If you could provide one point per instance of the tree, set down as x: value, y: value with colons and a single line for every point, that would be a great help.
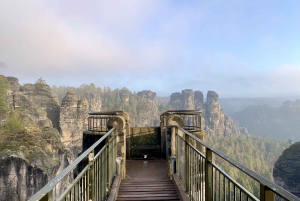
x: 15, y: 123
x: 41, y: 81
x: 3, y: 91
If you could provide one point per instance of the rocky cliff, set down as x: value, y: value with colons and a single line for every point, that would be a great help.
x: 286, y: 170
x: 30, y: 162
x: 73, y: 121
x: 214, y: 121
x: 149, y: 95
x: 37, y: 101
x: 148, y: 110
x: 35, y: 155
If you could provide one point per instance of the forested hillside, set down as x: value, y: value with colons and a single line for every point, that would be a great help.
x: 257, y: 153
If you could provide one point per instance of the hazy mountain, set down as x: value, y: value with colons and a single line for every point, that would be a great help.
x: 232, y: 105
x: 267, y: 121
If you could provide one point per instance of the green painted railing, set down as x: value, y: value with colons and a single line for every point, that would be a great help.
x: 93, y: 182
x: 204, y: 180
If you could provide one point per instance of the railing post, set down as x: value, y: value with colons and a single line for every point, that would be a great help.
x: 266, y: 194
x: 187, y: 163
x: 48, y: 196
x: 91, y: 176
x: 172, y: 158
x: 108, y: 169
x: 208, y: 176
x: 176, y: 150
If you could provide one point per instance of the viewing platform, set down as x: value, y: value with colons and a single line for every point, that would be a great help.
x: 169, y: 162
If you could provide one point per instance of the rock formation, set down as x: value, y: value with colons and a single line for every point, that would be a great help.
x: 286, y: 170
x: 148, y: 114
x: 214, y: 121
x: 36, y: 101
x: 188, y: 99
x: 29, y: 163
x: 149, y: 95
x: 73, y: 121
x: 35, y: 155
x: 176, y: 101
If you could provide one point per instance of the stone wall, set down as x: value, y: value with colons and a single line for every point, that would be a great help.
x: 144, y: 141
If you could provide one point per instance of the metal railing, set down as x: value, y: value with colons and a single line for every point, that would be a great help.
x: 94, y: 181
x: 97, y: 121
x: 191, y: 119
x: 205, y: 180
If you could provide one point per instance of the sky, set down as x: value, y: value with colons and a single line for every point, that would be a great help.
x: 237, y: 48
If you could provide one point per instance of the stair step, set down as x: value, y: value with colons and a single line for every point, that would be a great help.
x: 147, y: 190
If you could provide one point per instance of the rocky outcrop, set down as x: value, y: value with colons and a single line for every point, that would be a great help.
x: 198, y: 100
x: 188, y: 99
x: 286, y: 170
x: 176, y: 101
x: 36, y: 101
x: 73, y: 121
x: 149, y: 95
x: 213, y: 119
x: 34, y: 156
x: 30, y: 162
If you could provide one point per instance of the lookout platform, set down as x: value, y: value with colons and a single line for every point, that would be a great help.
x: 169, y: 162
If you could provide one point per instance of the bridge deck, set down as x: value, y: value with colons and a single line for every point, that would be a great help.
x: 147, y: 180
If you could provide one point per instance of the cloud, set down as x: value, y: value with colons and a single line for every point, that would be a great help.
x: 159, y: 45
x: 286, y: 77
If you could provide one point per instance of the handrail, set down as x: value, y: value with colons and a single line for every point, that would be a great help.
x: 263, y: 181
x: 51, y: 184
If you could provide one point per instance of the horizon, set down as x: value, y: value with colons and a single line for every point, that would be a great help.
x: 169, y: 93
x: 238, y: 49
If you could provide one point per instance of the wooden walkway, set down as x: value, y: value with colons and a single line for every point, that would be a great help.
x: 147, y: 180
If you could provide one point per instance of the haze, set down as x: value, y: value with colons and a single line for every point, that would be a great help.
x: 236, y: 48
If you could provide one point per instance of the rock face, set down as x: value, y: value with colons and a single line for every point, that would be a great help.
x: 286, y: 170
x: 73, y: 121
x: 29, y: 163
x: 176, y: 101
x: 149, y: 95
x: 36, y: 101
x: 188, y: 99
x: 35, y: 155
x: 214, y: 121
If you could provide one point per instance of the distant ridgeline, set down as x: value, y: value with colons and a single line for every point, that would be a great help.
x: 277, y: 123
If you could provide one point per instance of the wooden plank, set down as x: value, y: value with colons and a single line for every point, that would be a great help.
x: 143, y: 192
x: 150, y: 198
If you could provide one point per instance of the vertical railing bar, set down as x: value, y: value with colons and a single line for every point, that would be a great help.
x: 229, y: 189
x: 224, y: 187
x: 219, y: 187
x: 193, y: 174
x: 96, y: 178
x: 234, y: 192
x: 78, y: 190
x: 240, y: 194
x: 198, y: 178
